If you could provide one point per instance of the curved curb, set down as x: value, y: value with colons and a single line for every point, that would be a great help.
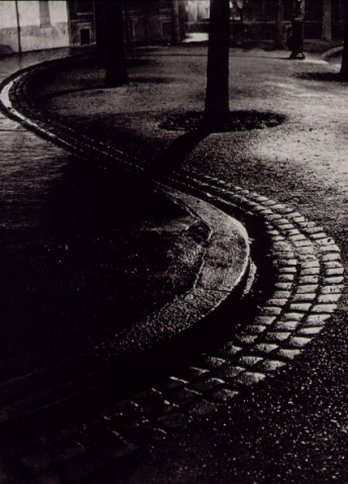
x: 331, y: 52
x: 222, y: 273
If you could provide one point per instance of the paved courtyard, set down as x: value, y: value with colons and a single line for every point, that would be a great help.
x: 263, y: 415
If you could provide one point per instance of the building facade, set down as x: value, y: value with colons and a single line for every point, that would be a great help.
x: 33, y: 25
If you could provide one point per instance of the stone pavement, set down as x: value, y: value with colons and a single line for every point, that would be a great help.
x: 299, y: 281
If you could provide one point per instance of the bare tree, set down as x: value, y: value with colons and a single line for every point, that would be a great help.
x: 326, y: 20
x: 344, y: 67
x: 110, y: 42
x: 176, y: 36
x: 217, y: 92
x: 278, y: 25
x: 297, y: 29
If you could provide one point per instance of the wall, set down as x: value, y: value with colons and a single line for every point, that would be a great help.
x: 33, y: 34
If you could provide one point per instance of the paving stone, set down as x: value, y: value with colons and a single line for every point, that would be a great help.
x: 151, y: 395
x: 265, y: 320
x: 307, y: 289
x: 283, y: 286
x: 184, y: 396
x: 292, y: 232
x: 211, y: 361
x: 307, y: 297
x: 250, y: 378
x: 304, y: 253
x: 281, y: 295
x: 116, y: 410
x: 292, y: 316
x: 155, y: 409
x: 287, y: 270
x: 229, y: 371
x: 172, y: 383
x: 203, y: 408
x: 332, y: 265
x: 276, y: 302
x: 314, y: 271
x: 300, y: 307
x: 266, y: 347
x: 313, y: 264
x: 277, y: 336
x: 316, y: 319
x: 254, y: 329
x: 249, y: 360
x: 271, y: 365
x: 194, y: 372
x: 311, y: 331
x: 174, y: 421
x: 288, y: 353
x: 330, y: 249
x: 205, y: 385
x: 323, y: 308
x: 335, y: 256
x: 329, y: 298
x: 223, y: 395
x: 298, y: 341
x: 311, y: 227
x: 333, y: 280
x: 304, y: 244
x: 229, y: 350
x: 338, y: 271
x: 289, y: 262
x: 335, y: 289
x: 303, y: 280
x: 293, y: 215
x: 271, y: 311
x: 286, y: 278
x: 286, y: 325
x: 274, y: 216
x: 297, y: 237
x: 246, y: 338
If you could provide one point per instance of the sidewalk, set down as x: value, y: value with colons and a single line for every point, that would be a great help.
x: 288, y: 428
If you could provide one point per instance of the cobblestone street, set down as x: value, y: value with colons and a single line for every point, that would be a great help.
x: 259, y: 393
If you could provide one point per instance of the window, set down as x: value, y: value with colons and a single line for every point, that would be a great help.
x: 85, y: 36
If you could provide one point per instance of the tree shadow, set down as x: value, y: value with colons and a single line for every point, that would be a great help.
x: 198, y: 127
x: 178, y: 151
x: 321, y: 76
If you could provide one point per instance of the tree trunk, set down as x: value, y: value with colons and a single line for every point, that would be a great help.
x: 217, y: 93
x: 278, y: 26
x: 326, y: 20
x: 176, y: 37
x: 110, y: 42
x: 344, y: 67
x: 297, y: 30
